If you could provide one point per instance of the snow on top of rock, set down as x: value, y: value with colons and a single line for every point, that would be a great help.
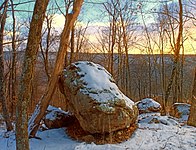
x: 52, y: 108
x: 91, y: 71
x: 184, y: 108
x: 53, y: 112
x: 99, y: 83
x: 147, y: 103
x: 156, y: 118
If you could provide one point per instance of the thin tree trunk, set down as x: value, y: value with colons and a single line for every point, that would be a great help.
x: 13, y: 71
x: 162, y: 71
x: 59, y: 64
x: 175, y: 70
x: 182, y: 75
x: 80, y: 41
x: 127, y: 70
x: 112, y: 40
x: 22, y: 142
x: 45, y: 54
x: 192, y: 116
x: 120, y: 64
x: 72, y: 42
x: 2, y: 83
x: 113, y: 45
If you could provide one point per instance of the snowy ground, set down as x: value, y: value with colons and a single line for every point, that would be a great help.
x: 167, y: 134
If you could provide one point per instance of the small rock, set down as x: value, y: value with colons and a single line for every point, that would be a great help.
x: 180, y: 111
x: 57, y: 118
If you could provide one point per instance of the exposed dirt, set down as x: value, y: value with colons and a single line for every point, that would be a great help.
x: 76, y: 132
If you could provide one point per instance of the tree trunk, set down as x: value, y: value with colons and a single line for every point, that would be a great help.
x: 127, y: 69
x: 72, y: 45
x: 192, y: 116
x: 2, y: 83
x: 13, y: 67
x: 175, y: 70
x: 22, y: 142
x: 59, y: 64
x: 45, y: 52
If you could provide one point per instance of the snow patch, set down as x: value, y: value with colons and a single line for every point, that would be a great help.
x: 146, y: 137
x: 100, y: 88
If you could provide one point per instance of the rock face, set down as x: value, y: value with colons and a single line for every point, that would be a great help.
x: 57, y: 118
x: 95, y: 100
x: 148, y: 105
x: 180, y: 111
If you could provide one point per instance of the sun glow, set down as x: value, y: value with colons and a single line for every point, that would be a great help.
x: 189, y: 43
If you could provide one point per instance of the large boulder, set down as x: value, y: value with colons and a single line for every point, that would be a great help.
x: 95, y: 100
x: 180, y: 111
x: 57, y: 118
x: 148, y: 105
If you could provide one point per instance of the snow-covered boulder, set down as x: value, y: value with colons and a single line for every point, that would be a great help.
x: 180, y: 111
x: 95, y: 100
x: 148, y: 105
x: 57, y: 118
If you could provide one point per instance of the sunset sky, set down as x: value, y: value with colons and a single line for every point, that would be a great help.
x: 92, y: 12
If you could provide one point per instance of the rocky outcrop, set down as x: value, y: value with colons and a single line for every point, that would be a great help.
x: 148, y: 105
x: 95, y: 100
x: 57, y: 118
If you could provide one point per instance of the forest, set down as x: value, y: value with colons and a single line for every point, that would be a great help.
x: 53, y: 53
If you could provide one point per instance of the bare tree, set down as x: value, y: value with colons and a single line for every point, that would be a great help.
x: 13, y: 66
x: 117, y: 39
x: 24, y: 96
x: 192, y: 117
x: 3, y: 16
x: 81, y: 40
x: 149, y: 52
x: 176, y: 47
x: 110, y: 7
x: 59, y: 64
x: 48, y: 38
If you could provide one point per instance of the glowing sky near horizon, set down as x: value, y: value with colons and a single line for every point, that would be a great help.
x: 92, y: 11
